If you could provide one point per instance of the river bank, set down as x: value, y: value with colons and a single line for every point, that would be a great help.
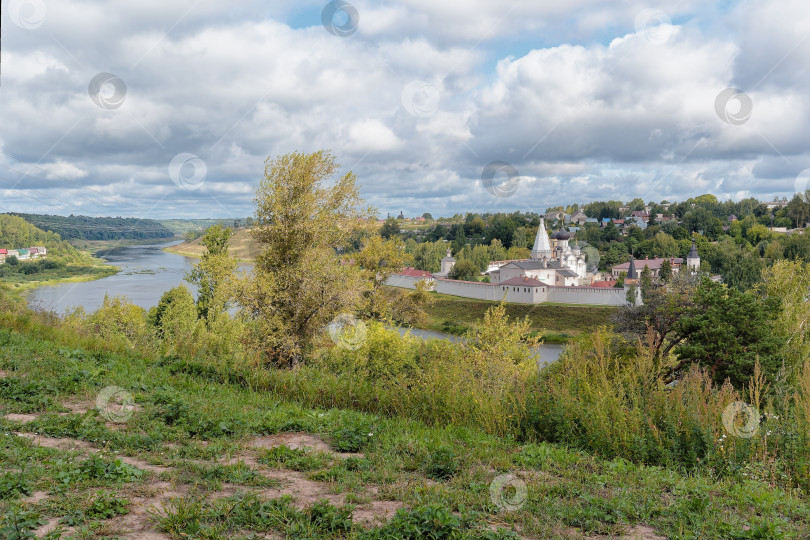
x: 555, y: 323
x: 242, y: 246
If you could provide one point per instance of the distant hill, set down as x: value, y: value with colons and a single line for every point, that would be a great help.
x: 99, y: 228
x: 242, y: 246
x: 181, y: 226
x: 15, y: 232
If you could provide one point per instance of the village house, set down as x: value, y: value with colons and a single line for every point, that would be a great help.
x: 22, y: 254
x: 633, y: 269
x: 579, y: 218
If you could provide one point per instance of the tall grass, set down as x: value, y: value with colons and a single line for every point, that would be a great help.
x: 604, y: 396
x: 435, y: 381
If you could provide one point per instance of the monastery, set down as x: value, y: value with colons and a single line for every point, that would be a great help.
x: 556, y: 275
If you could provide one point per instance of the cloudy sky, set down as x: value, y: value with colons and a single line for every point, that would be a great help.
x: 161, y: 108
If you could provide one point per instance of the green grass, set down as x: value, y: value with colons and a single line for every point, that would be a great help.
x: 199, y: 432
x: 556, y: 322
x: 70, y: 273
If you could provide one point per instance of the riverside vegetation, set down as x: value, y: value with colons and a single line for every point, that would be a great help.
x: 63, y: 263
x: 256, y: 420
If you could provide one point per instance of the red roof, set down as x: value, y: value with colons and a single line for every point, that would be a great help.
x: 413, y: 272
x: 603, y: 284
x: 3, y: 251
x: 523, y: 282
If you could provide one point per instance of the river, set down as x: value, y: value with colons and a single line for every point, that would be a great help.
x: 147, y: 272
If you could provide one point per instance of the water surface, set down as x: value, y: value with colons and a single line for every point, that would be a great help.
x: 146, y: 273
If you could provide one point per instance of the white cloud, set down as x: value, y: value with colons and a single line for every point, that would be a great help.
x: 566, y: 92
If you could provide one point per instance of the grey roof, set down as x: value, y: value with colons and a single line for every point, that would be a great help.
x: 693, y: 252
x: 567, y: 272
x: 537, y: 265
x: 631, y: 273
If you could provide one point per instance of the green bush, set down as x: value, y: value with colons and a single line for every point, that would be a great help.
x: 442, y: 464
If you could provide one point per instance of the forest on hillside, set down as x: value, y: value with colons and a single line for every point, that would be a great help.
x: 98, y: 228
x: 15, y: 233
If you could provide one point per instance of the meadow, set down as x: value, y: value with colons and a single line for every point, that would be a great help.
x: 199, y: 453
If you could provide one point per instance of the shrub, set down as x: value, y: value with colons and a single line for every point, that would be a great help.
x: 442, y: 464
x: 120, y: 320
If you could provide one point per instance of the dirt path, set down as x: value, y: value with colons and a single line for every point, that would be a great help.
x: 145, y: 499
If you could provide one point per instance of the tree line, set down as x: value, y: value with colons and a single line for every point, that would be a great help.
x: 98, y: 228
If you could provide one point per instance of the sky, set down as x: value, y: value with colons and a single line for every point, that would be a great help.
x: 169, y: 109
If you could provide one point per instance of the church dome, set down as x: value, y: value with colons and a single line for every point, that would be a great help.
x: 554, y: 235
x: 562, y: 235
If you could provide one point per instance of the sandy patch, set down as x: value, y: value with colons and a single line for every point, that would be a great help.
x: 294, y: 440
x: 24, y: 418
x: 137, y: 522
x: 52, y: 442
x: 74, y: 444
x: 297, y: 485
x: 299, y: 441
x: 639, y: 532
x: 4, y: 374
x: 79, y: 407
x: 643, y: 532
x: 52, y: 524
x: 36, y: 497
x: 376, y: 512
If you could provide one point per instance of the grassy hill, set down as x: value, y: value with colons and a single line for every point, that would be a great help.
x: 242, y: 246
x: 182, y: 226
x: 186, y: 451
x: 557, y: 322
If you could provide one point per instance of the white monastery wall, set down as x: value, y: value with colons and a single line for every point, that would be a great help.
x: 406, y: 282
x: 588, y: 295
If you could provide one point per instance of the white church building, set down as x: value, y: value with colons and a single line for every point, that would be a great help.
x: 551, y: 275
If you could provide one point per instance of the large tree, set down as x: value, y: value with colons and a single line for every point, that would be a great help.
x: 728, y: 330
x: 378, y: 259
x: 304, y: 217
x: 213, y: 273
